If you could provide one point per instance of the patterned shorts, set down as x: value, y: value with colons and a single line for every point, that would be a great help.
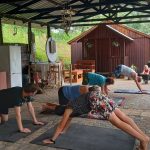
x: 101, y: 106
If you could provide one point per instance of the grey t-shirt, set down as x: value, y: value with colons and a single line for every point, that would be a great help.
x: 81, y: 105
x: 126, y: 71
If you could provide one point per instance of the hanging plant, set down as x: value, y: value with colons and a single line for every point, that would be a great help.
x: 115, y: 43
x: 14, y: 29
x: 89, y: 45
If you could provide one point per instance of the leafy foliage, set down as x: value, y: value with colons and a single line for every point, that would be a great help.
x: 64, y: 50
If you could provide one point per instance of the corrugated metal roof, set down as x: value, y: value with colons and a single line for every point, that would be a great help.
x: 36, y: 10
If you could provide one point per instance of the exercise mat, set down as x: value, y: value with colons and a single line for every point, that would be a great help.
x: 82, y: 137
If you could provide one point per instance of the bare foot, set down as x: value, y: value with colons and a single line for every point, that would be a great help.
x: 48, y: 141
x: 44, y: 108
x: 144, y: 144
x: 51, y: 104
x: 138, y: 148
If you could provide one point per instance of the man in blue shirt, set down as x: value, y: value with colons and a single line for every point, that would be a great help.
x: 67, y: 93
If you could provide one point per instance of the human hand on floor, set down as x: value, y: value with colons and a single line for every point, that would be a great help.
x: 38, y: 123
x: 25, y: 130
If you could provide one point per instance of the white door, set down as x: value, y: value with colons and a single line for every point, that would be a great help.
x: 15, y: 66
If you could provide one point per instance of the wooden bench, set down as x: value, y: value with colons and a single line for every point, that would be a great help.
x: 85, y: 65
x: 75, y: 75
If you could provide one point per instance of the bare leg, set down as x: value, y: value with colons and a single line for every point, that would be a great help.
x: 122, y: 116
x: 48, y: 107
x: 51, y: 104
x: 128, y: 129
x: 67, y: 125
x: 4, y: 118
x: 60, y: 126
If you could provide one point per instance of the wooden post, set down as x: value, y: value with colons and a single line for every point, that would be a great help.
x: 29, y: 49
x: 1, y: 32
x: 29, y: 36
x: 70, y: 74
x: 48, y: 31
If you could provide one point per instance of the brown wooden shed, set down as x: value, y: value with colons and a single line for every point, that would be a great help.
x: 111, y: 45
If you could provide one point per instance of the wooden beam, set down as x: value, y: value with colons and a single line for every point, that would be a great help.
x: 48, y: 10
x: 44, y: 13
x: 48, y: 31
x: 105, y: 19
x: 23, y: 6
x: 1, y: 32
x: 30, y: 36
x: 101, y: 12
x: 11, y: 1
x: 123, y: 22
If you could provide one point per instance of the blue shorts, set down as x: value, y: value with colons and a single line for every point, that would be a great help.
x: 117, y: 71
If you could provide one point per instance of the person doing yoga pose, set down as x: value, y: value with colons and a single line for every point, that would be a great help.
x: 129, y: 72
x: 74, y: 108
x: 106, y: 107
x: 91, y: 78
x: 15, y: 97
x: 103, y: 106
x: 67, y: 93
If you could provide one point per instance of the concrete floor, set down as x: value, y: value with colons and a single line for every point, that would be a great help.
x: 137, y: 105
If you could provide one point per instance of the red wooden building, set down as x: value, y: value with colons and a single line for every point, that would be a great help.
x: 110, y: 45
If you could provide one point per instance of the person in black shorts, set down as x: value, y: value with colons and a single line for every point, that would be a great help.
x: 71, y: 93
x: 74, y: 108
x: 14, y: 98
x: 65, y: 94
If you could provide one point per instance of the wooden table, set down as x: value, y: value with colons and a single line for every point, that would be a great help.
x: 76, y: 75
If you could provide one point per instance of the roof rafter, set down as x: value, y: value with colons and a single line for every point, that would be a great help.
x: 42, y: 14
x: 23, y: 6
x: 48, y: 10
x: 122, y: 22
x: 103, y: 12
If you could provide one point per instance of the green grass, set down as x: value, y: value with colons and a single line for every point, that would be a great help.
x: 63, y: 49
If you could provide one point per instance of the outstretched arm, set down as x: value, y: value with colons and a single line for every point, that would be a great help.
x: 32, y: 112
x: 61, y: 127
x: 138, y: 85
x: 19, y: 120
x: 103, y: 89
x: 135, y: 78
x: 106, y: 89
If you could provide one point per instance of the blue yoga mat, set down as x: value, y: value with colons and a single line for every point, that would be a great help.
x: 131, y: 91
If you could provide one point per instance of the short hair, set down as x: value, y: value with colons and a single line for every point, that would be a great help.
x: 94, y: 88
x: 109, y: 80
x: 30, y: 88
